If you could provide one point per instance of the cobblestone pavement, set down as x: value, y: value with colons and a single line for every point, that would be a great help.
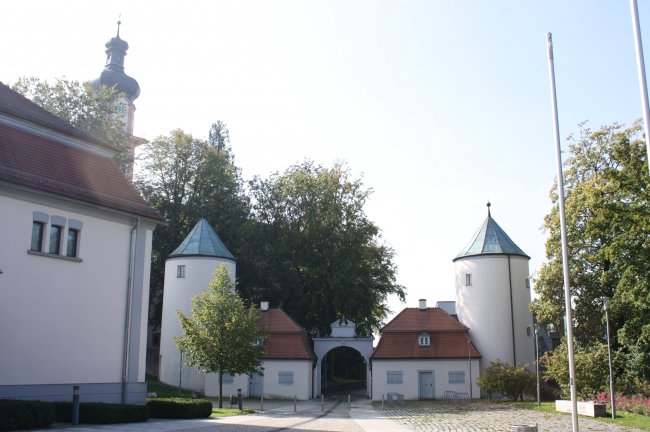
x: 486, y: 417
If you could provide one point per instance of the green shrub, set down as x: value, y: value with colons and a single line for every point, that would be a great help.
x: 102, y: 413
x: 18, y: 414
x: 177, y: 408
x: 510, y: 381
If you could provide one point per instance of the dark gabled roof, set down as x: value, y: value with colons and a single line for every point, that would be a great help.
x: 490, y: 239
x: 17, y: 105
x: 285, y: 339
x: 202, y: 241
x: 32, y: 161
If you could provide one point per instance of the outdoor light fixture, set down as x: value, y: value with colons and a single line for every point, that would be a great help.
x: 605, y: 301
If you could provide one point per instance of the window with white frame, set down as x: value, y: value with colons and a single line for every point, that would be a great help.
x: 38, y: 228
x: 424, y: 339
x: 468, y: 279
x: 394, y: 377
x: 285, y: 378
x: 180, y: 271
x: 73, y: 238
x: 55, y: 239
x: 457, y: 377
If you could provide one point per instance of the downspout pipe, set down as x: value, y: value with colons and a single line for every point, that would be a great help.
x: 127, y: 313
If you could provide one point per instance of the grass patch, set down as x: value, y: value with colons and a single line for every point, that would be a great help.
x: 167, y: 391
x: 622, y: 418
x: 228, y: 412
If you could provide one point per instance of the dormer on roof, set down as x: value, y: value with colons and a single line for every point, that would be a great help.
x: 202, y: 241
x: 490, y: 239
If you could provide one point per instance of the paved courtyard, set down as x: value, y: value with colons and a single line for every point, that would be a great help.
x: 484, y: 417
x: 334, y: 416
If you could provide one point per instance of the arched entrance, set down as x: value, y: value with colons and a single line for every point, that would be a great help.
x: 356, y: 348
x: 343, y: 372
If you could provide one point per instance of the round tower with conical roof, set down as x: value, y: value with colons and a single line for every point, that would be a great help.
x: 493, y: 296
x: 188, y: 271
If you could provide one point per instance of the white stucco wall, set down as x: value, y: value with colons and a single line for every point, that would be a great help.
x: 485, y: 307
x: 63, y: 321
x: 302, y: 379
x: 238, y: 382
x: 178, y: 294
x: 410, y: 372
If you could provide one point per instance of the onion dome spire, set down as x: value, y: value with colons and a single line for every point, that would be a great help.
x: 113, y: 73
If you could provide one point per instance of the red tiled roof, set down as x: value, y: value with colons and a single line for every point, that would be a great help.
x: 400, y: 337
x: 45, y: 165
x: 429, y: 319
x: 404, y: 345
x: 285, y: 339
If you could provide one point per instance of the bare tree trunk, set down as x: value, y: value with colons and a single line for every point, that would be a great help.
x: 221, y: 388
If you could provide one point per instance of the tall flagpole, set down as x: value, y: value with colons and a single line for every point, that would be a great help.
x: 642, y: 83
x: 565, y: 258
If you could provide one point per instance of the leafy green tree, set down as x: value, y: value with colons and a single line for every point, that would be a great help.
x: 591, y: 368
x: 221, y: 335
x: 608, y: 228
x: 180, y: 174
x: 318, y: 256
x: 510, y: 381
x: 83, y: 107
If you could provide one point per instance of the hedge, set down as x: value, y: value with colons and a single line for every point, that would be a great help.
x: 178, y: 408
x: 102, y: 413
x: 18, y: 414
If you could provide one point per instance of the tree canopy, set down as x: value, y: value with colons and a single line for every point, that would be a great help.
x: 83, y: 107
x: 607, y: 206
x: 179, y: 175
x: 318, y: 256
x: 221, y: 335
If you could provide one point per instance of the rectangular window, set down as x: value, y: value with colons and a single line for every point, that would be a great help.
x: 394, y: 377
x: 285, y: 378
x: 37, y: 236
x: 457, y: 377
x: 468, y: 279
x: 73, y: 241
x: 55, y: 239
x: 227, y: 379
x: 425, y: 340
x: 180, y: 271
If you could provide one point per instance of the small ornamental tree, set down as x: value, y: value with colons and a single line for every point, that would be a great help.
x: 221, y: 336
x: 510, y: 381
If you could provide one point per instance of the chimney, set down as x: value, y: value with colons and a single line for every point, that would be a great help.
x: 423, y: 304
x: 264, y: 305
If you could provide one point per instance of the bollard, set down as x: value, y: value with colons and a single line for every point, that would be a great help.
x: 231, y: 398
x: 239, y: 399
x: 261, y: 403
x: 322, y: 402
x: 349, y: 403
x: 294, y: 404
x: 75, y: 405
x: 382, y: 402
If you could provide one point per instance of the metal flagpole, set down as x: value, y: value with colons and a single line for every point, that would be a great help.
x: 565, y: 258
x: 642, y: 82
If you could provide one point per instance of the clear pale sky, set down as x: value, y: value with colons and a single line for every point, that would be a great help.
x: 439, y: 105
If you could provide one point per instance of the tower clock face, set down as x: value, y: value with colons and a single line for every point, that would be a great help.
x: 122, y: 111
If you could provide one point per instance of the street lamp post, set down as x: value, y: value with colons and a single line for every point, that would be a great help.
x: 609, y: 355
x: 539, y: 401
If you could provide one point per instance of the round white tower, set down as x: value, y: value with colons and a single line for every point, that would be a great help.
x: 493, y: 296
x: 188, y: 270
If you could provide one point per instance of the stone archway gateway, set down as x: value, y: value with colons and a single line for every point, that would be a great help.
x: 343, y: 335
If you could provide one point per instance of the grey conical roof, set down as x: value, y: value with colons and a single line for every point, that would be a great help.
x: 202, y: 241
x: 490, y: 239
